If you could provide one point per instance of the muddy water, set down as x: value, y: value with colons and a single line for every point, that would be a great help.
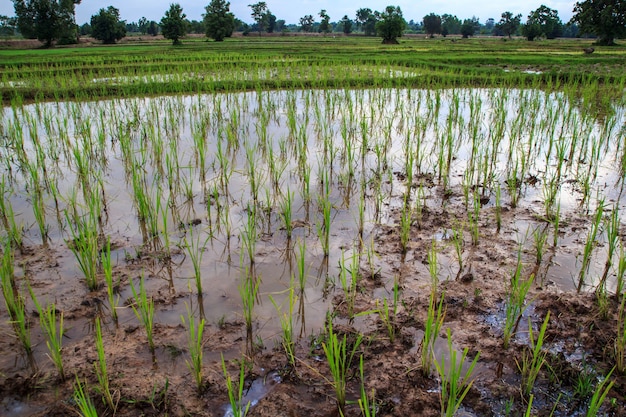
x: 207, y: 162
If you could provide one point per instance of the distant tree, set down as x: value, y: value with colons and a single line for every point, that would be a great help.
x: 85, y: 29
x: 391, y: 25
x: 469, y: 27
x: 509, y: 24
x: 132, y: 27
x: 219, y: 22
x: 153, y: 28
x: 196, y: 26
x: 450, y: 25
x: 604, y: 18
x: 543, y: 21
x: 261, y: 15
x: 106, y: 25
x: 325, y: 23
x: 7, y: 26
x: 490, y: 24
x: 281, y: 25
x: 270, y: 23
x: 368, y: 26
x: 173, y: 25
x: 47, y: 20
x: 361, y: 17
x: 432, y: 24
x: 346, y: 23
x: 306, y: 23
x: 143, y: 25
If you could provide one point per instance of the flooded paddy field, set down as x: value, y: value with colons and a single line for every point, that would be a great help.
x: 183, y: 243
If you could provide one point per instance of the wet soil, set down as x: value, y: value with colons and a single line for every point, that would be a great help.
x: 580, y: 340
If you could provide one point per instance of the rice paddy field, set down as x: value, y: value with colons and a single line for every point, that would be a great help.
x: 313, y: 226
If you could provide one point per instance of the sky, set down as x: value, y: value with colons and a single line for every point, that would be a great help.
x: 291, y: 11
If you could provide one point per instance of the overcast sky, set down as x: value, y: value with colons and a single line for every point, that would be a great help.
x: 291, y: 11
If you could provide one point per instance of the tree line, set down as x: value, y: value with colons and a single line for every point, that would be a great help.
x: 52, y: 21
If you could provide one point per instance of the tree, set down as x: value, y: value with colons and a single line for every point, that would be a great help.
x: 325, y: 23
x: 509, y: 24
x: 106, y: 25
x: 543, y: 21
x: 173, y: 25
x: 346, y: 24
x: 469, y: 27
x: 7, y: 26
x: 219, y: 22
x: 450, y: 25
x: 604, y: 18
x: 432, y: 24
x: 391, y: 25
x: 261, y: 15
x: 153, y: 28
x: 306, y: 23
x: 47, y: 20
x: 369, y: 27
x: 143, y: 25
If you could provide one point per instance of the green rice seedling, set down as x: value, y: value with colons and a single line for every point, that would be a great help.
x: 348, y: 278
x: 367, y: 403
x: 235, y: 394
x: 599, y: 395
x: 459, y: 244
x: 534, y: 358
x: 612, y: 239
x: 388, y: 315
x: 14, y: 301
x: 110, y: 398
x: 620, y: 338
x: 107, y: 269
x: 7, y: 215
x: 621, y: 272
x: 540, y: 236
x: 86, y: 407
x: 301, y: 264
x: 323, y: 228
x: 405, y: 225
x: 474, y: 217
x: 498, y: 208
x: 455, y: 384
x: 286, y: 324
x: 143, y: 307
x: 433, y: 265
x: 249, y: 234
x: 515, y: 301
x: 54, y: 333
x: 84, y: 244
x: 194, y: 248
x: 434, y: 321
x: 248, y: 290
x: 589, y: 245
x: 195, y: 346
x: 339, y: 357
x: 286, y: 213
x: 556, y: 223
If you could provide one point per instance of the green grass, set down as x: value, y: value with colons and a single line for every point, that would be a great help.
x: 303, y: 62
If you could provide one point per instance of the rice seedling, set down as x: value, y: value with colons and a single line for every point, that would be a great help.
x: 249, y: 233
x: 533, y: 358
x: 348, y: 278
x: 235, y: 393
x: 107, y: 269
x: 498, y: 207
x: 515, y: 302
x: 339, y: 356
x: 301, y: 265
x: 621, y: 272
x: 540, y: 236
x: 612, y: 239
x: 599, y: 395
x: 405, y: 225
x: 286, y: 213
x: 110, y: 398
x: 455, y: 383
x: 143, y: 307
x: 7, y: 215
x: 248, y: 290
x: 195, y: 345
x: 367, y: 403
x: 194, y: 247
x: 53, y: 331
x: 286, y: 325
x: 14, y: 301
x: 388, y: 315
x: 432, y: 326
x: 84, y: 242
x: 459, y: 245
x: 620, y: 338
x: 589, y: 245
x: 85, y: 405
x: 323, y: 227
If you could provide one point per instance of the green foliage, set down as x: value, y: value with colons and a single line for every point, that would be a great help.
x: 46, y: 20
x: 391, y: 25
x: 325, y: 23
x: 107, y: 27
x: 173, y: 24
x: 306, y: 23
x: 604, y: 18
x: 346, y: 24
x: 432, y: 24
x: 219, y: 22
x: 470, y: 27
x: 509, y: 24
x: 262, y: 16
x: 543, y: 21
